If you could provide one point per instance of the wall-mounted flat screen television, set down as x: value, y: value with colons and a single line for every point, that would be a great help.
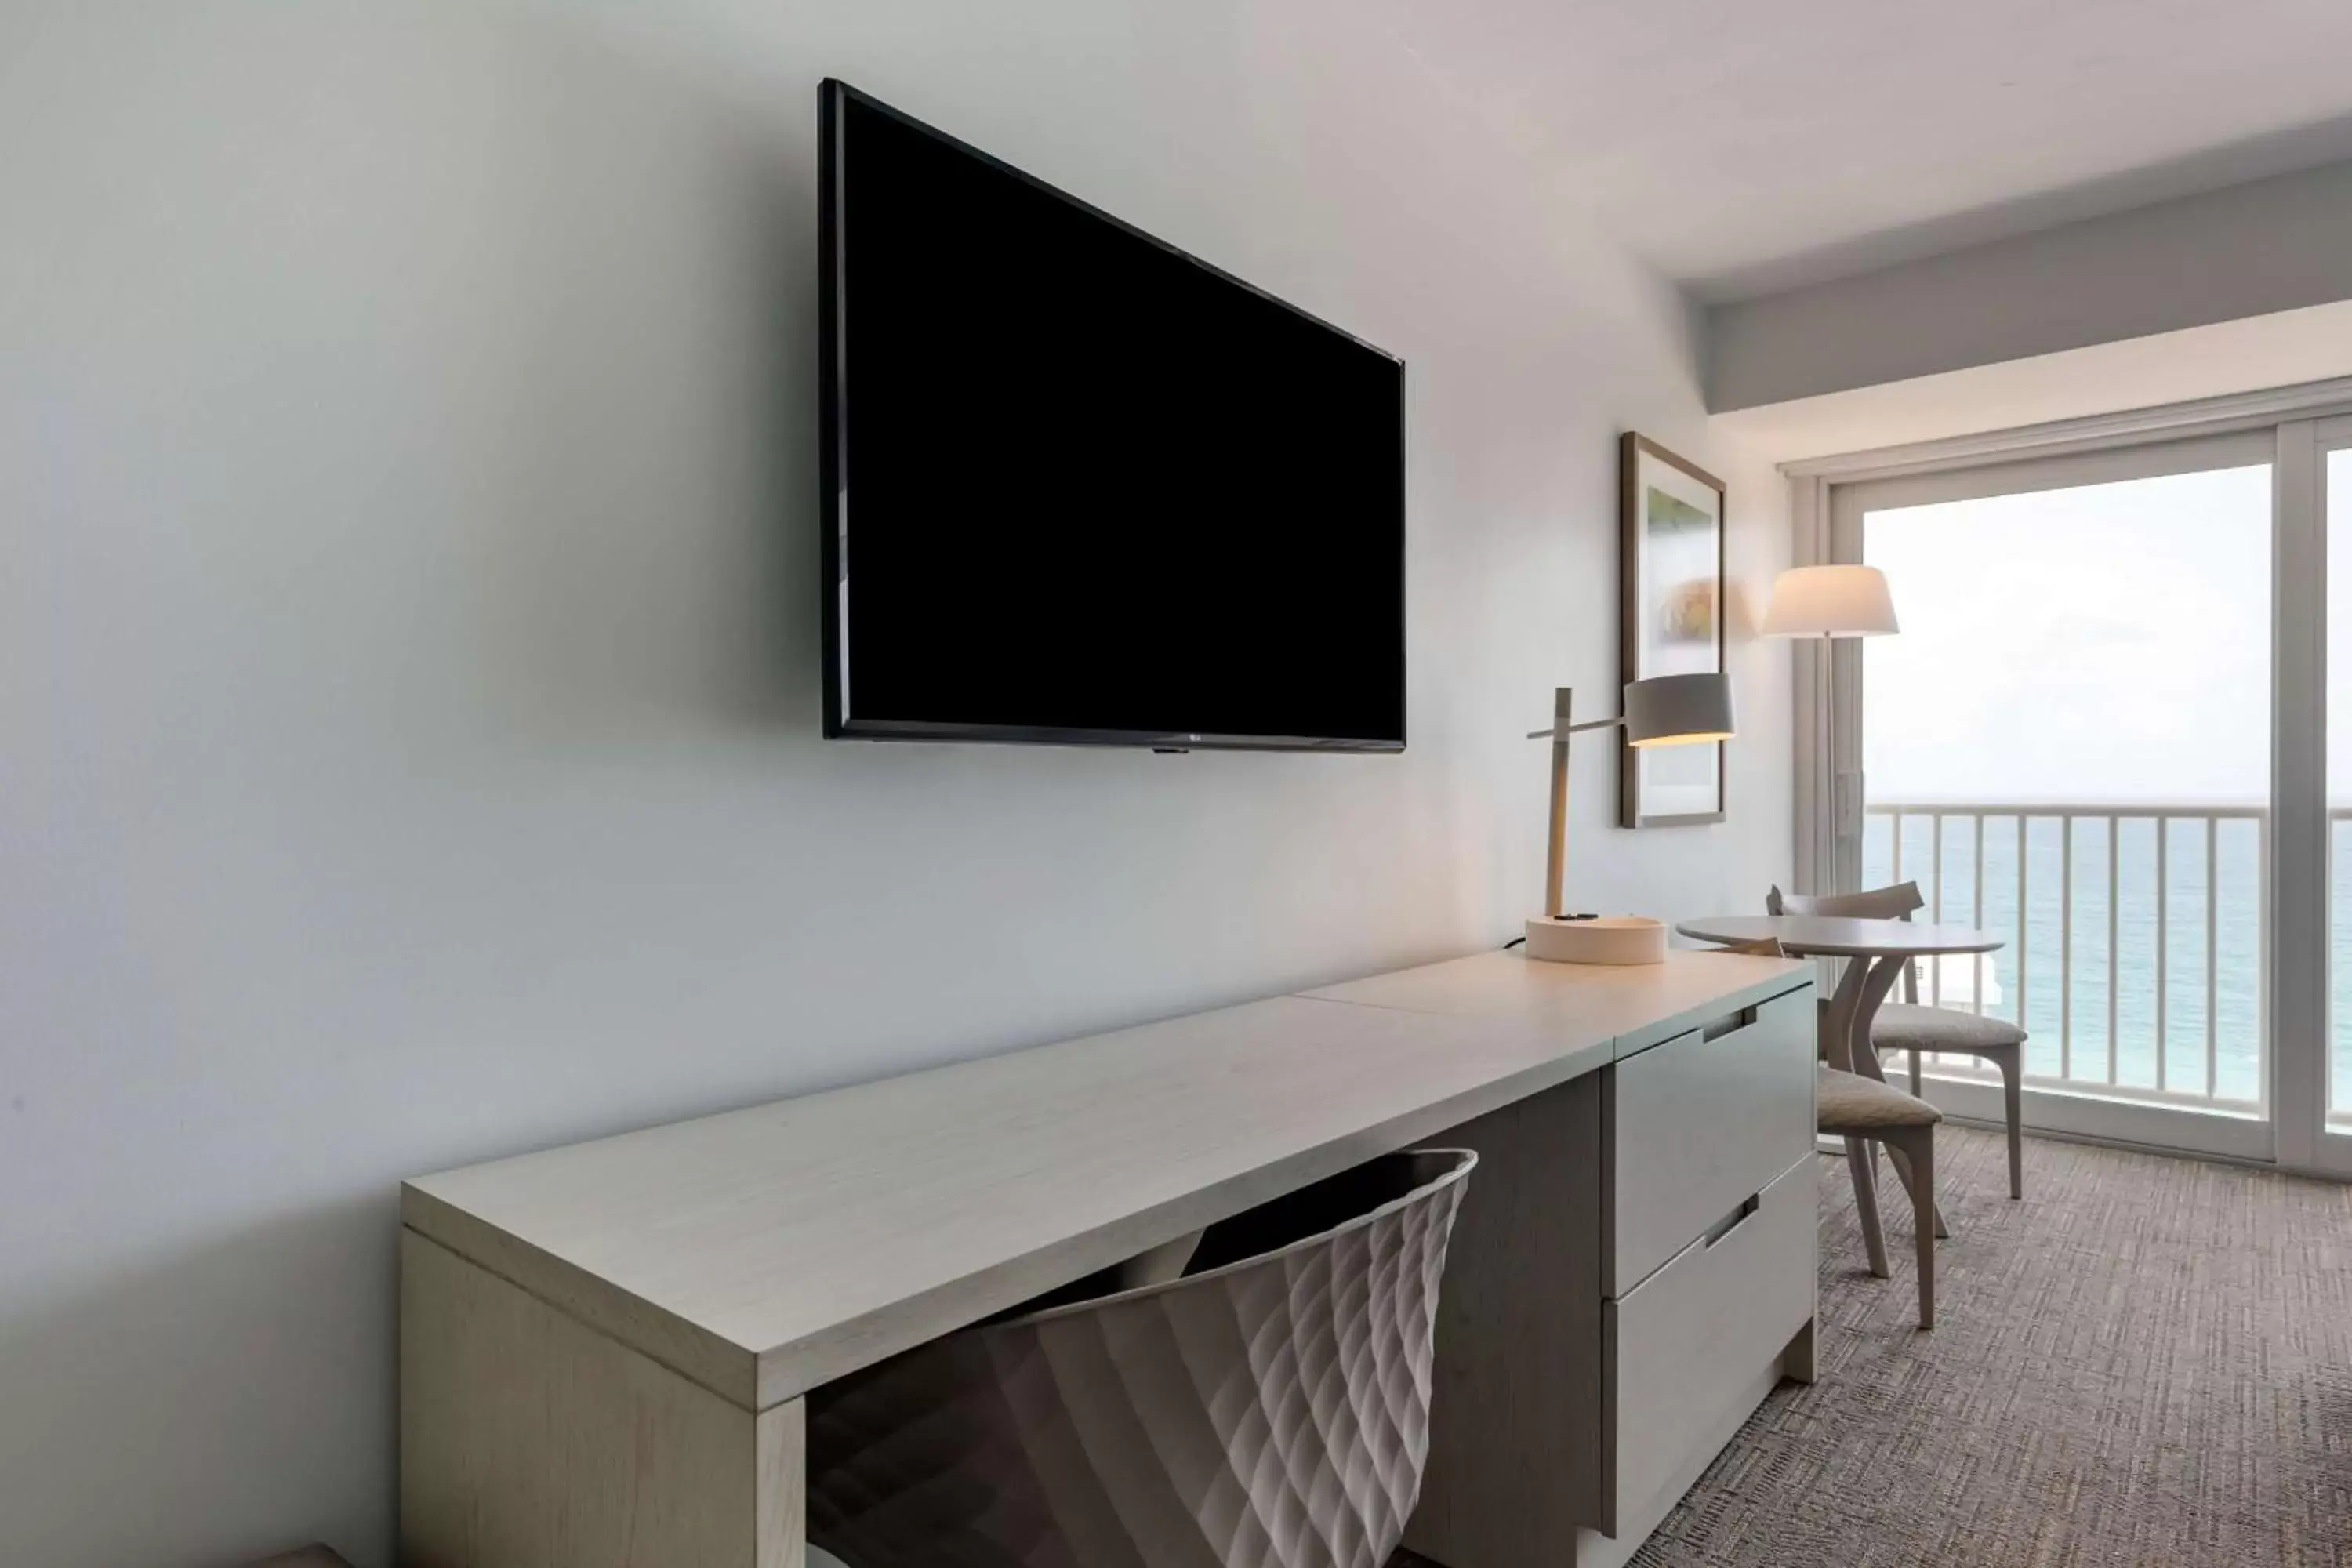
x: 1081, y: 487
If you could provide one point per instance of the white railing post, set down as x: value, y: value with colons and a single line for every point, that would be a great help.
x: 2116, y: 929
x: 1936, y: 853
x: 2066, y: 946
x: 2213, y: 954
x: 2163, y: 941
x: 1975, y: 914
x: 2022, y: 928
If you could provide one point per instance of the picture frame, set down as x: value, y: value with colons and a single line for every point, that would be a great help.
x: 1671, y: 516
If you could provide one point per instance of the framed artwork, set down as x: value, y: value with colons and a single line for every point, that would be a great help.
x: 1670, y: 622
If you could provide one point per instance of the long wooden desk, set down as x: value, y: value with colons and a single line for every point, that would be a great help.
x: 604, y: 1346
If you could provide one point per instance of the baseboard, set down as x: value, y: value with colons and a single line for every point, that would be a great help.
x: 1826, y: 1144
x: 2055, y: 1135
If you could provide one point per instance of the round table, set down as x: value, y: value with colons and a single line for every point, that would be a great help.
x: 1883, y: 948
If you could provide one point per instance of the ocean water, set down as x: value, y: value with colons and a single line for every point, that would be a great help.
x: 2066, y: 997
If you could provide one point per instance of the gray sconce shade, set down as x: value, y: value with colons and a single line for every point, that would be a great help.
x: 1678, y: 710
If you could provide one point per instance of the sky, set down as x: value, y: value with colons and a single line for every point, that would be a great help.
x: 2105, y: 643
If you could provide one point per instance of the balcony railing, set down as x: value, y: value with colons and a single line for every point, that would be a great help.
x: 2137, y: 938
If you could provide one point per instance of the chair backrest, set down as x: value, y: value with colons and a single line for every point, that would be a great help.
x: 1164, y: 1426
x: 1895, y: 903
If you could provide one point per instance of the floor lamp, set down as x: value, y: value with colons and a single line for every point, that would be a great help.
x: 1825, y: 604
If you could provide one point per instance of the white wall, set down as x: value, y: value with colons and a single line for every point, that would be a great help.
x: 408, y: 651
x: 2267, y: 246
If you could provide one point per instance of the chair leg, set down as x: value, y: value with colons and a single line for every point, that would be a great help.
x: 2013, y: 1096
x: 1914, y: 1074
x: 1865, y: 1206
x: 1922, y: 1152
x: 1901, y: 1160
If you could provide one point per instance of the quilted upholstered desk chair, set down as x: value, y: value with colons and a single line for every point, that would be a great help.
x: 1905, y: 1026
x: 1863, y: 1110
x: 1265, y: 1407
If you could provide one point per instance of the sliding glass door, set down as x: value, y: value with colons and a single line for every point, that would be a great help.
x: 2117, y: 730
x: 2070, y: 744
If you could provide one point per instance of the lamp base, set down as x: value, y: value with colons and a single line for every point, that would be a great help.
x: 1603, y: 939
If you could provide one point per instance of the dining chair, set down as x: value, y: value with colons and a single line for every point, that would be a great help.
x: 1865, y: 1111
x: 1906, y: 1025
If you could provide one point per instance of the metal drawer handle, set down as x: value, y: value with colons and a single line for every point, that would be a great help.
x: 1734, y: 1219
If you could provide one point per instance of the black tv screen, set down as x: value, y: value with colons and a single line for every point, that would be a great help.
x: 1081, y: 487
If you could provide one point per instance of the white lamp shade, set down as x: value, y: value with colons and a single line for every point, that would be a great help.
x: 1830, y: 602
x: 1678, y: 710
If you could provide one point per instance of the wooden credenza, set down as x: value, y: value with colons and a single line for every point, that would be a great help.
x: 605, y: 1348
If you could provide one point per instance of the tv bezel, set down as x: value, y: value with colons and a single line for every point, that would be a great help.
x: 840, y: 722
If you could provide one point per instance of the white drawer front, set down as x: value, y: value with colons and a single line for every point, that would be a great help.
x: 1699, y: 1331
x: 1698, y: 1124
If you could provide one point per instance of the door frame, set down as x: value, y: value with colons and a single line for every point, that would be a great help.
x: 2313, y: 1144
x: 2291, y: 427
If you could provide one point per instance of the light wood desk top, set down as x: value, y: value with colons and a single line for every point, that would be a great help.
x: 768, y: 1250
x: 1636, y: 1005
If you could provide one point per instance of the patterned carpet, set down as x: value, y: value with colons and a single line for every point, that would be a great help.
x: 2147, y: 1361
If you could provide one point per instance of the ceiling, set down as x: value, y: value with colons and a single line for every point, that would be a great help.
x: 1744, y: 148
